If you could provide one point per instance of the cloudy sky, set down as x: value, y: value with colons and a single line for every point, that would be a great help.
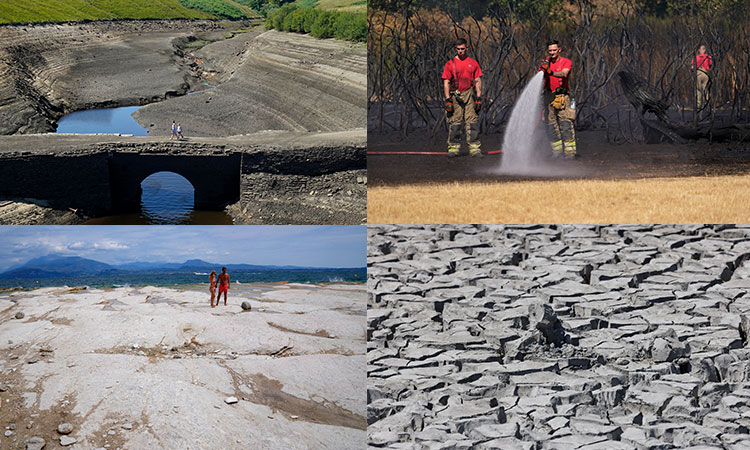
x: 314, y: 246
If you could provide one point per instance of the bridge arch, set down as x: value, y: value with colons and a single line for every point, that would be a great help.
x: 215, y: 179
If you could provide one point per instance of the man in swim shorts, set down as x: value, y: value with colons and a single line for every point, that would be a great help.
x: 223, y: 285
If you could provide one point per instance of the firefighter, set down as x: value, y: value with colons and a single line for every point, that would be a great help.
x: 702, y: 65
x: 461, y: 78
x: 560, y: 110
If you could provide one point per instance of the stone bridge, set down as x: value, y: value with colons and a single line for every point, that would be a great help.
x: 216, y: 179
x: 274, y: 179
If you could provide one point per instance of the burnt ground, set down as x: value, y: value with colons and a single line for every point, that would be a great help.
x: 598, y: 159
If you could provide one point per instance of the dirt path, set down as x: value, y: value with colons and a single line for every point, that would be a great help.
x: 80, y: 143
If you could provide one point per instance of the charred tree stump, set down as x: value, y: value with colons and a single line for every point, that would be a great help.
x: 645, y: 98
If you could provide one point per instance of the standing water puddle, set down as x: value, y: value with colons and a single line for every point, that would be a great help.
x: 105, y: 120
x: 166, y: 199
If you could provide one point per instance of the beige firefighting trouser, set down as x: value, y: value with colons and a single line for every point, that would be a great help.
x: 702, y: 82
x: 560, y: 122
x: 464, y: 116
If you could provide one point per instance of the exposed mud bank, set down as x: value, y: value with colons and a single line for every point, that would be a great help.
x: 47, y: 71
x: 264, y: 80
x: 269, y: 178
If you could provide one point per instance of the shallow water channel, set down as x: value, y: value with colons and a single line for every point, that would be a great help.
x: 104, y: 120
x: 167, y: 198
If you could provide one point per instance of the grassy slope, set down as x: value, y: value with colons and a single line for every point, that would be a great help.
x: 22, y: 11
x: 709, y: 199
x: 245, y: 9
x: 341, y: 5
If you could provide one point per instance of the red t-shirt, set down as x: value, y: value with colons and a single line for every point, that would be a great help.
x: 462, y: 73
x: 703, y: 62
x: 552, y: 82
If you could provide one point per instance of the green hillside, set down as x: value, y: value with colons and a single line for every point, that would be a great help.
x: 323, y: 19
x: 342, y: 5
x: 25, y: 11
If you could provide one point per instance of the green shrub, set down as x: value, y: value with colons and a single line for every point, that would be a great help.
x: 296, y: 22
x: 217, y: 7
x: 308, y: 19
x: 322, y: 24
x: 351, y: 26
x: 276, y: 18
x: 286, y: 24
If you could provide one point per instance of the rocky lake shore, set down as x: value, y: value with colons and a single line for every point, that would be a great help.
x: 217, y: 78
x: 231, y: 85
x: 157, y: 367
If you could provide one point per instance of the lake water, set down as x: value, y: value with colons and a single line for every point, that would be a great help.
x: 167, y: 199
x: 152, y: 278
x: 105, y: 120
x: 195, y: 218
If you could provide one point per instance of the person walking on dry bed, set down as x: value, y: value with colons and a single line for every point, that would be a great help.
x: 223, y: 285
x: 461, y: 78
x: 560, y: 107
x: 174, y: 131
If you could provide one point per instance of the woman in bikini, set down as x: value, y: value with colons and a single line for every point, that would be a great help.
x: 212, y: 288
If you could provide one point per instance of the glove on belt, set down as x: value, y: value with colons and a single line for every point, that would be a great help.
x: 559, y: 102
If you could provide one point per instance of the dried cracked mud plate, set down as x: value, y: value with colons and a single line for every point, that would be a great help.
x: 574, y: 337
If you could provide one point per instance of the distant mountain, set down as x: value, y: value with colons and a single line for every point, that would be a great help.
x: 139, y: 266
x: 57, y: 266
x: 74, y: 266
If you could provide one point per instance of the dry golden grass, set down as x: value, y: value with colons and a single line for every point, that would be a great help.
x: 715, y: 199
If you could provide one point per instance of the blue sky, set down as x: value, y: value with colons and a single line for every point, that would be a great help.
x: 315, y: 246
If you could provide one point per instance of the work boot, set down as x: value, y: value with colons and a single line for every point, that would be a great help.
x: 453, y: 150
x: 570, y: 150
x: 475, y: 150
x: 557, y: 149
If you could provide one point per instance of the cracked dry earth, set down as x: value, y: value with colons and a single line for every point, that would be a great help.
x: 151, y: 367
x: 558, y: 337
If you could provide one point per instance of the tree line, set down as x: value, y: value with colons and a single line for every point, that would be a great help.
x: 320, y: 23
x: 409, y: 41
